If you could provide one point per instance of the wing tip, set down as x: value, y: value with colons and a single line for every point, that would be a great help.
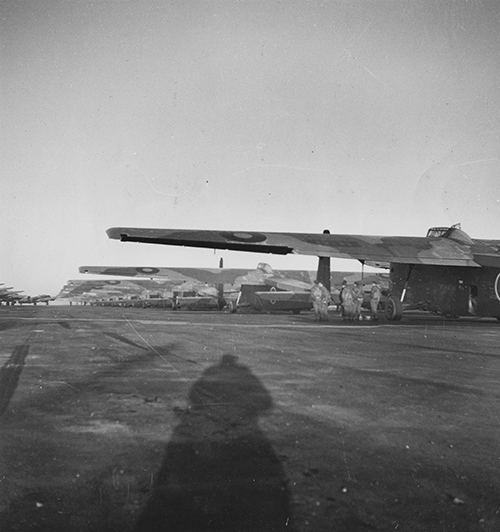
x: 115, y: 232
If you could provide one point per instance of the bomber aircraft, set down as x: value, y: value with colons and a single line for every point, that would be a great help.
x: 34, y: 300
x: 446, y: 272
x: 9, y: 296
x: 115, y: 290
x: 12, y: 297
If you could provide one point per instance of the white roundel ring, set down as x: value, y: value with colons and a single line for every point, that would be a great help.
x: 497, y: 287
x: 273, y: 301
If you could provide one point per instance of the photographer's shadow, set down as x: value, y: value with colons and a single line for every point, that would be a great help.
x: 220, y: 471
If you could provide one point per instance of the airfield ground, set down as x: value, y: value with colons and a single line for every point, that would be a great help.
x: 127, y: 419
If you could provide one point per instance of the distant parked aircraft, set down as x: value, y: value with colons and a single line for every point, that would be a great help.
x: 34, y: 300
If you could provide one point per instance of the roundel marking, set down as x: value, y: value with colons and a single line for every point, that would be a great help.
x: 112, y: 282
x: 147, y: 270
x: 497, y: 287
x: 244, y: 237
x: 273, y: 301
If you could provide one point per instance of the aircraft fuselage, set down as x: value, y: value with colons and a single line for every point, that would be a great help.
x: 447, y: 290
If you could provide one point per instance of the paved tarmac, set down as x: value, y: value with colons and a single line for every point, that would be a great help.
x: 129, y: 420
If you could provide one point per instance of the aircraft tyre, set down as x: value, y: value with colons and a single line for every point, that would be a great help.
x: 393, y: 309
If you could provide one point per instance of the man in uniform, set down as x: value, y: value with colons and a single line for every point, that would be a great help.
x: 320, y: 299
x: 375, y: 295
x: 358, y: 298
x: 341, y: 297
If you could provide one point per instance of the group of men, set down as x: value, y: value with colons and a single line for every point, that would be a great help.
x: 351, y: 298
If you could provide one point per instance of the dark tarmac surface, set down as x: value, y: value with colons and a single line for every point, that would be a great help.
x: 129, y: 420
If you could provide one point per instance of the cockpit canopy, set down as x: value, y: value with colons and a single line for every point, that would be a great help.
x: 453, y: 233
x: 436, y: 232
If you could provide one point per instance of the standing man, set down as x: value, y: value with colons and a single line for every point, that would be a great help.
x: 358, y: 299
x: 375, y: 295
x: 320, y: 299
x: 341, y: 297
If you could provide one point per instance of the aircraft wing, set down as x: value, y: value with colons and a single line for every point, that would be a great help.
x: 173, y: 274
x: 135, y: 271
x: 379, y: 249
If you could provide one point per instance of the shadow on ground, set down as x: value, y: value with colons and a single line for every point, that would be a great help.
x: 219, y: 471
x: 10, y: 373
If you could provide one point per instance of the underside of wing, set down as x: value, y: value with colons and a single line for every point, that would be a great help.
x: 174, y: 274
x: 127, y: 271
x: 375, y: 249
x: 157, y: 272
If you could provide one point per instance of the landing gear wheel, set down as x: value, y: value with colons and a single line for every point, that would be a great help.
x: 393, y: 309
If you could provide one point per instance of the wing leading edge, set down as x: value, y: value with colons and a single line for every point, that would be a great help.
x: 382, y: 249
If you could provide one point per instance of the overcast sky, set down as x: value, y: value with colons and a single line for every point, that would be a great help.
x: 361, y: 117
